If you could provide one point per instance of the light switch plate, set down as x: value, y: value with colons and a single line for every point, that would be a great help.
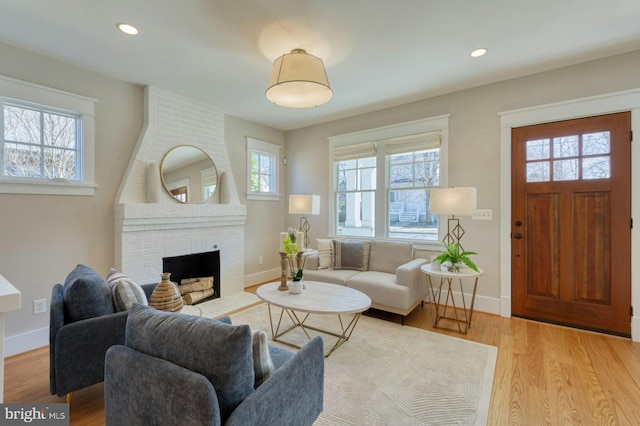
x: 485, y: 214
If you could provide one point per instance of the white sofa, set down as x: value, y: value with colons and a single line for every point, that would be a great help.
x: 388, y: 273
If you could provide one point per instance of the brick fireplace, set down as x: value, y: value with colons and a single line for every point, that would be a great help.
x: 145, y: 232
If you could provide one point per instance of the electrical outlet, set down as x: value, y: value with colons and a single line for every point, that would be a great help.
x: 260, y: 260
x: 486, y: 214
x: 39, y: 306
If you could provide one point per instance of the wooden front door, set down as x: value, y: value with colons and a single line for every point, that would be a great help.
x: 571, y: 222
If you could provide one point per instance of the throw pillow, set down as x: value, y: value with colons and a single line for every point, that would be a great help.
x: 366, y: 251
x: 220, y: 352
x: 262, y: 363
x: 347, y: 255
x: 324, y: 253
x: 86, y: 295
x: 125, y: 292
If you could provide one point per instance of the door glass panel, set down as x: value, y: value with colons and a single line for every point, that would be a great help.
x: 538, y: 149
x: 566, y: 146
x: 538, y: 172
x: 565, y: 170
x: 595, y: 143
x: 596, y: 168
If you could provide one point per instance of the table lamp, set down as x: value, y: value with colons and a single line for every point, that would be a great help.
x: 304, y: 205
x: 460, y: 201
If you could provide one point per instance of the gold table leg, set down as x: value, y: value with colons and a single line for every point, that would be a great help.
x: 343, y: 336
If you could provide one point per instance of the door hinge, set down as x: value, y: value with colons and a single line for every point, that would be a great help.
x: 631, y: 310
x: 630, y: 135
x: 631, y: 223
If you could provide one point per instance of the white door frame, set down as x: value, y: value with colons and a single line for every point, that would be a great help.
x: 628, y: 100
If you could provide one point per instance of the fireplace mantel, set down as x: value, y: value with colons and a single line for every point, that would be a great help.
x: 132, y: 217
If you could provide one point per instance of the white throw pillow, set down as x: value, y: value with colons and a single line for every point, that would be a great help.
x: 124, y: 291
x: 325, y: 253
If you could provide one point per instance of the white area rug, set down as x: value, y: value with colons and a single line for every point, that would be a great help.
x: 223, y: 305
x: 387, y: 374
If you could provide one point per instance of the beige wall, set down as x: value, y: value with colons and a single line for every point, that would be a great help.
x: 265, y: 219
x: 44, y: 237
x: 474, y: 143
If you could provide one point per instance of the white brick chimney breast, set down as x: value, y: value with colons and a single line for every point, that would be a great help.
x: 147, y: 232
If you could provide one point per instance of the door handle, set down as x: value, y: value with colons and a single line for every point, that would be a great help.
x: 517, y: 236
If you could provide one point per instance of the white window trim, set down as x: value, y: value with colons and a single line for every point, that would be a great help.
x: 268, y: 148
x: 37, y: 94
x: 432, y: 124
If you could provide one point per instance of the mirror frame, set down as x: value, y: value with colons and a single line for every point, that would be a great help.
x: 206, y: 156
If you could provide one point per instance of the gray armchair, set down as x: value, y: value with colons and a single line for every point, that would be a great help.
x: 180, y: 369
x: 81, y: 331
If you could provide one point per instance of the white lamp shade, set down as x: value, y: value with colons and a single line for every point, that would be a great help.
x: 455, y: 201
x: 298, y: 80
x: 304, y: 204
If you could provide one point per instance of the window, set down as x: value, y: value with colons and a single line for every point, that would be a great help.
x: 573, y: 157
x: 263, y: 161
x: 209, y: 178
x: 381, y: 187
x: 40, y: 143
x: 411, y: 176
x: 356, y: 196
x: 46, y: 140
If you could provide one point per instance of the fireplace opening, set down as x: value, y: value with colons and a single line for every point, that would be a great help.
x: 195, y: 265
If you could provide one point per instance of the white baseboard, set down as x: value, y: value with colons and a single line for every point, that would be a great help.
x: 261, y: 277
x: 26, y: 341
x: 635, y: 328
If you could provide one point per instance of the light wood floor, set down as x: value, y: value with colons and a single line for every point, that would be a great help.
x: 545, y: 374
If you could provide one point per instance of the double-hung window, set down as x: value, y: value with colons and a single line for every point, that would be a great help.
x: 382, y: 186
x: 263, y: 161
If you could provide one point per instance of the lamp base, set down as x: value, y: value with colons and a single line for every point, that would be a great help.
x: 454, y: 232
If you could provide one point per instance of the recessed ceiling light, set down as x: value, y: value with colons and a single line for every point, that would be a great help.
x: 127, y: 28
x: 479, y: 52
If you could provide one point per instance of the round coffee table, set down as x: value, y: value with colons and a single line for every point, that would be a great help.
x: 317, y: 298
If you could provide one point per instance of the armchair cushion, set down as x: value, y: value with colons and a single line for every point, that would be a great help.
x: 220, y: 352
x: 86, y: 295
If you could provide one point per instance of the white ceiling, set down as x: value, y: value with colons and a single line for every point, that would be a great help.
x: 378, y: 53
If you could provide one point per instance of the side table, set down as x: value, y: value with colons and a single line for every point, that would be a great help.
x: 446, y: 282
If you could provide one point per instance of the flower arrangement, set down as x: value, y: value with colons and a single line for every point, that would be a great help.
x: 455, y: 258
x: 291, y: 249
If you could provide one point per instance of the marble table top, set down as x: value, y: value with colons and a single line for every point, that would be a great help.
x: 317, y: 298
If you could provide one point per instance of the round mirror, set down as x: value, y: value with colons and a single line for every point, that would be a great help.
x: 188, y: 174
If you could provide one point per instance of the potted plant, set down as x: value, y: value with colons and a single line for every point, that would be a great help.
x: 291, y: 248
x: 455, y: 259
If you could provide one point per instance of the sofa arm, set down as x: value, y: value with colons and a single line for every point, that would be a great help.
x: 293, y: 395
x: 79, y: 351
x: 312, y: 262
x: 410, y: 273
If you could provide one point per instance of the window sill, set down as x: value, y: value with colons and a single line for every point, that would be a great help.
x: 262, y: 197
x: 46, y: 188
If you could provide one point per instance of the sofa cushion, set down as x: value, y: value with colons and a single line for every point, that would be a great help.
x: 125, y: 292
x: 347, y: 255
x: 262, y: 363
x: 386, y: 256
x: 86, y: 295
x: 220, y: 352
x: 325, y: 251
x: 332, y: 276
x: 381, y: 287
